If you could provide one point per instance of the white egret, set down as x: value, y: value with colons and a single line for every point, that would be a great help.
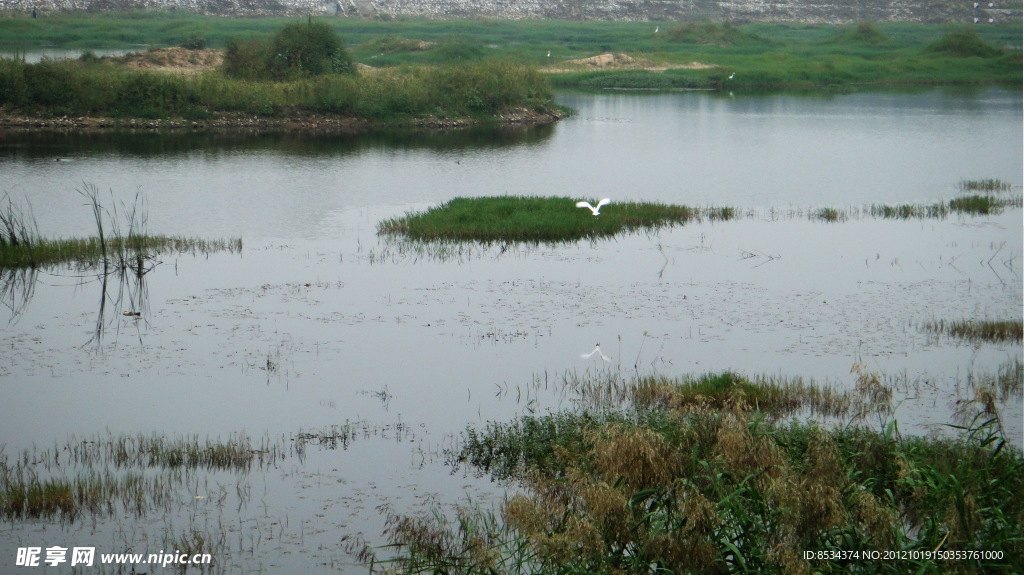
x: 595, y: 209
x: 597, y: 350
x: 656, y: 28
x: 731, y: 76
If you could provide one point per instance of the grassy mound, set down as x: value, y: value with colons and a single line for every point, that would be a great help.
x: 710, y: 34
x: 863, y: 33
x: 962, y: 44
x: 516, y: 218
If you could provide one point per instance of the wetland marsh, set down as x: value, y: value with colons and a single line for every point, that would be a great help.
x: 281, y: 404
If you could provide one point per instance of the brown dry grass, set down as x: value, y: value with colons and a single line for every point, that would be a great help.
x: 176, y: 60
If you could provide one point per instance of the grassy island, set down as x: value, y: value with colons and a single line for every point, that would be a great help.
x: 516, y: 218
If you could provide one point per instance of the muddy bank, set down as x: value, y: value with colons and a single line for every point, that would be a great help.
x: 317, y: 123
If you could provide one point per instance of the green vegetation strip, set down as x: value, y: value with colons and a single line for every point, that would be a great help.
x: 520, y: 218
x: 94, y: 88
x: 762, y: 55
x: 125, y: 252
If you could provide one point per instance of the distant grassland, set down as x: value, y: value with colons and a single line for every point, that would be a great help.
x: 762, y: 56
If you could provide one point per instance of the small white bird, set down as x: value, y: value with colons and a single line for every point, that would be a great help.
x: 595, y: 209
x: 597, y: 350
x: 731, y: 76
x: 549, y: 53
x: 656, y: 28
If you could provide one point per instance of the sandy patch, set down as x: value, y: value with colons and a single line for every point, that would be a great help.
x: 620, y: 61
x: 180, y: 60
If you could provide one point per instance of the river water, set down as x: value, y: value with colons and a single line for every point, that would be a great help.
x: 317, y: 322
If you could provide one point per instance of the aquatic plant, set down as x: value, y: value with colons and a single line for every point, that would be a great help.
x: 829, y: 214
x: 713, y: 489
x: 985, y: 185
x: 120, y: 243
x: 536, y: 219
x: 979, y: 330
x: 976, y: 204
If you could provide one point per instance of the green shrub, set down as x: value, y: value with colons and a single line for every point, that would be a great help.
x: 297, y: 51
x: 962, y: 44
x: 245, y: 58
x: 194, y: 42
x: 310, y: 49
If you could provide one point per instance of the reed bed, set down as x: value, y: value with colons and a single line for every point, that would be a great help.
x: 97, y: 493
x: 121, y: 242
x: 985, y: 185
x: 979, y: 330
x: 716, y: 487
x: 90, y: 252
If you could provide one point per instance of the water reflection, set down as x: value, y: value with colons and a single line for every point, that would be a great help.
x: 53, y: 145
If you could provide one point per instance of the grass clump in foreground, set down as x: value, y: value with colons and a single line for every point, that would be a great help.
x: 712, y: 486
x: 518, y: 218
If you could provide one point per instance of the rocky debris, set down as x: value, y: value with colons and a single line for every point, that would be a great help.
x: 738, y: 11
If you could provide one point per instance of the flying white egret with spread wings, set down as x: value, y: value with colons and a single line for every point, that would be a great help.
x: 597, y: 350
x: 596, y: 209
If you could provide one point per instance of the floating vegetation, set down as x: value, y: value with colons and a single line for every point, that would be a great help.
x: 137, y: 251
x: 979, y: 330
x: 539, y: 219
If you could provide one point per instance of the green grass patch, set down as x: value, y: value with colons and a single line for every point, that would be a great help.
x: 976, y: 204
x: 533, y: 219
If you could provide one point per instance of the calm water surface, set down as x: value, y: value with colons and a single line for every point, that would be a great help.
x: 319, y: 323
